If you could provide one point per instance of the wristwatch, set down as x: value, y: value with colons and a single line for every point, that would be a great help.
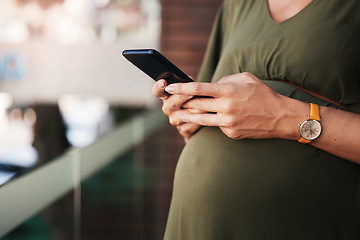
x: 311, y: 128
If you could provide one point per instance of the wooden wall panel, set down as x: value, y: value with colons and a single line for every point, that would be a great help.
x: 186, y: 26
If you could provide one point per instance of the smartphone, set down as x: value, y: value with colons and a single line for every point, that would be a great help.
x: 155, y: 65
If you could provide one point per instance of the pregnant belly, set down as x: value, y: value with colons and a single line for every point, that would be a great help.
x: 268, y: 184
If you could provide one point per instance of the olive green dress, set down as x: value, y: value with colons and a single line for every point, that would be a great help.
x: 274, y: 189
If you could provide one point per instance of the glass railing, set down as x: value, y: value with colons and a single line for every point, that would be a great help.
x: 27, y: 195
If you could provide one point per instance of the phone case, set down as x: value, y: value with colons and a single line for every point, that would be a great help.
x: 155, y: 65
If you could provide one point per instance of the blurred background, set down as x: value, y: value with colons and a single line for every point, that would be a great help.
x: 64, y: 84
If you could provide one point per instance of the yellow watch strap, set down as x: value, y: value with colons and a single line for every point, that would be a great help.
x: 314, y: 112
x: 303, y: 140
x: 314, y: 115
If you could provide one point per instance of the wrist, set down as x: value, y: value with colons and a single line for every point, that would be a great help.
x: 294, y: 113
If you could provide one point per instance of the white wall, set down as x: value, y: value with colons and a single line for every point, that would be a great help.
x: 95, y: 69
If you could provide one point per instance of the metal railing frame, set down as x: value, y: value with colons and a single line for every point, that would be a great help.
x: 27, y: 195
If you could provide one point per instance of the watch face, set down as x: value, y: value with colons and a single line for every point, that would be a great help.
x: 310, y: 129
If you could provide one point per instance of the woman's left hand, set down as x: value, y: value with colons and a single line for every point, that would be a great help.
x: 243, y: 106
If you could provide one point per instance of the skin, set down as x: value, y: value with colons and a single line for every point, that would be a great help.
x: 281, y: 10
x: 242, y: 106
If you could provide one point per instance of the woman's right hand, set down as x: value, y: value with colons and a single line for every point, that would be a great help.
x: 173, y: 108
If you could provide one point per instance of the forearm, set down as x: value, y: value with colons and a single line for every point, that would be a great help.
x: 340, y: 134
x: 247, y: 108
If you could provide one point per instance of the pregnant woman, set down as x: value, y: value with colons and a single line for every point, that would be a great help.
x: 273, y: 151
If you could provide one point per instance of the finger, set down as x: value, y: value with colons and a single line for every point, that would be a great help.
x: 175, y: 119
x: 191, y: 110
x: 175, y: 116
x: 188, y: 129
x: 204, y: 105
x: 201, y: 119
x: 174, y: 103
x: 195, y: 89
x: 159, y: 89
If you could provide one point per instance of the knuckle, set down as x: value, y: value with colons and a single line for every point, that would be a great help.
x: 230, y: 121
x: 172, y: 121
x: 169, y: 107
x: 197, y: 89
x: 230, y: 134
x: 246, y: 73
x: 202, y: 121
x: 227, y: 106
x: 165, y: 110
x: 250, y: 77
x: 223, y: 79
x: 233, y: 134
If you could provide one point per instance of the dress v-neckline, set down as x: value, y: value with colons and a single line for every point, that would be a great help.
x: 298, y: 14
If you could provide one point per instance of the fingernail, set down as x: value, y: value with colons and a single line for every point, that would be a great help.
x: 161, y: 84
x: 169, y: 89
x: 183, y: 117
